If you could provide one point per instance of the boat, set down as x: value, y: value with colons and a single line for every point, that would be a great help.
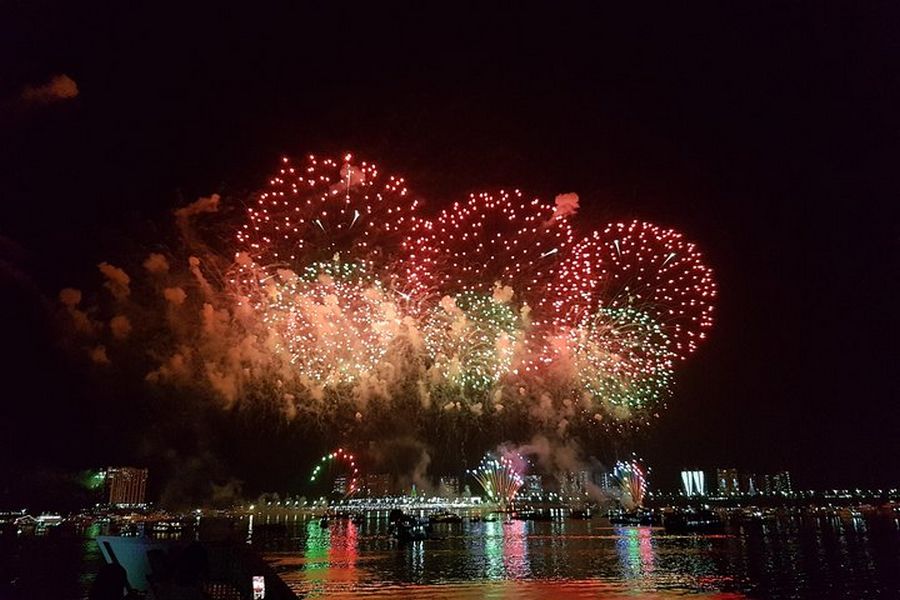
x: 643, y: 518
x: 406, y: 528
x: 693, y: 521
x: 533, y: 515
x: 445, y: 516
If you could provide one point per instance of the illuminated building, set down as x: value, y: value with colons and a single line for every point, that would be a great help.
x: 127, y: 486
x: 575, y: 484
x: 694, y: 483
x: 378, y: 485
x: 777, y: 483
x: 748, y: 484
x: 340, y: 486
x: 449, y: 486
x: 607, y: 482
x: 781, y: 483
x: 728, y: 482
x: 533, y: 486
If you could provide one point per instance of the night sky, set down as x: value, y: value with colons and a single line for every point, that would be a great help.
x: 767, y: 133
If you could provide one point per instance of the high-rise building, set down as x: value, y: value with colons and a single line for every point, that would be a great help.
x: 449, y: 486
x: 777, y: 483
x: 127, y: 486
x: 693, y: 482
x: 378, y: 485
x: 749, y: 484
x: 606, y: 481
x: 532, y: 486
x: 781, y: 483
x: 575, y: 484
x: 340, y: 486
x: 728, y: 482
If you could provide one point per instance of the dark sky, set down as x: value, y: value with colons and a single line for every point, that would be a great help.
x: 768, y: 133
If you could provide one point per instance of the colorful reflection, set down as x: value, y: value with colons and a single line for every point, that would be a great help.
x: 506, y: 550
x: 637, y: 556
x: 330, y: 556
x: 493, y: 550
x: 515, y: 550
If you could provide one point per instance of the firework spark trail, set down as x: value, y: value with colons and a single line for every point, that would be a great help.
x: 334, y: 326
x: 631, y: 476
x: 472, y: 339
x: 329, y: 462
x: 623, y: 359
x: 499, y: 478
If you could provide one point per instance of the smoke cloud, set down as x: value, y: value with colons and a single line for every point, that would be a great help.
x: 565, y: 205
x: 59, y: 87
x: 117, y: 281
x: 156, y: 264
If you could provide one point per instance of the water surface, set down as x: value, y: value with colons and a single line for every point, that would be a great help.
x: 791, y: 558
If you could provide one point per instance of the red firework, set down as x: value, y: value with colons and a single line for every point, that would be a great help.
x: 642, y: 266
x: 310, y: 213
x: 492, y: 238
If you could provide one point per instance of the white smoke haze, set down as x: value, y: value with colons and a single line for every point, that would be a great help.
x: 559, y: 458
x: 502, y: 293
x: 196, y: 271
x: 80, y: 322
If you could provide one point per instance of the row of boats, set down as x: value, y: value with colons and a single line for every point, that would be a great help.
x: 406, y: 527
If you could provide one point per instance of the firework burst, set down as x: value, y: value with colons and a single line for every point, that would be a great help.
x: 332, y: 324
x: 472, y: 339
x: 498, y: 478
x: 642, y: 266
x: 338, y: 462
x: 623, y: 360
x: 309, y: 213
x: 631, y: 476
x: 491, y: 239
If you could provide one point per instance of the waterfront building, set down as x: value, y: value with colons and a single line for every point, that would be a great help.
x: 781, y: 483
x: 728, y: 483
x: 693, y: 483
x: 126, y: 486
x: 448, y: 486
x: 378, y: 485
x: 749, y: 484
x: 575, y: 484
x: 606, y: 482
x: 532, y: 487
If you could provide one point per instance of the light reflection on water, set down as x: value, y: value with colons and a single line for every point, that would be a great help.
x: 590, y: 559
